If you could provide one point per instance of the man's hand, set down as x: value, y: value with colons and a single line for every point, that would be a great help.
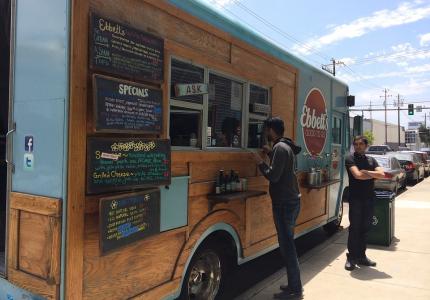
x: 257, y: 157
x: 266, y: 149
x: 359, y: 174
x: 377, y: 174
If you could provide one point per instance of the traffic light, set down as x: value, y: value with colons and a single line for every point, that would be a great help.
x: 410, y: 109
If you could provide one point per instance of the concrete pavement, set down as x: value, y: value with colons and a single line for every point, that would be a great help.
x: 402, y: 272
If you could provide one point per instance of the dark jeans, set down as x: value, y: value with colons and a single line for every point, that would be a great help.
x: 285, y: 216
x: 360, y: 218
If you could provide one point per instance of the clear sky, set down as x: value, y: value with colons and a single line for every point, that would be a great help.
x: 383, y: 44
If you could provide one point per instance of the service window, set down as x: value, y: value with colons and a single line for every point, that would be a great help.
x: 259, y: 110
x: 185, y: 127
x: 224, y: 112
x: 336, y: 131
x: 186, y: 112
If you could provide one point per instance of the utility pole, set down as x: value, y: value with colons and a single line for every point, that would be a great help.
x: 385, y: 109
x: 398, y: 117
x: 331, y: 68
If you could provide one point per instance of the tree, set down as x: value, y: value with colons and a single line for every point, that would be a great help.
x: 424, y: 134
x: 370, y: 137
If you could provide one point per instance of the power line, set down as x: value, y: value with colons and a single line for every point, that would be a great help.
x: 406, y: 102
x: 404, y: 54
x: 309, y: 48
x: 351, y: 71
x: 257, y: 30
x: 280, y: 31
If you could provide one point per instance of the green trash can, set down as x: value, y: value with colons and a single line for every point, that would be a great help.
x: 382, y: 227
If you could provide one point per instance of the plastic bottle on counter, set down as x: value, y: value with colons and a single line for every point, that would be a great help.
x: 238, y: 183
x: 232, y: 181
x: 227, y: 184
x: 217, y: 186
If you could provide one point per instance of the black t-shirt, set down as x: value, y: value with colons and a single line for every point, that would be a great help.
x: 360, y: 188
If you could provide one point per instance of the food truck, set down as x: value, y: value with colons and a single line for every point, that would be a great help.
x: 127, y: 132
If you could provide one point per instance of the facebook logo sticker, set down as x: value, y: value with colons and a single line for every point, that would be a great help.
x: 29, y: 143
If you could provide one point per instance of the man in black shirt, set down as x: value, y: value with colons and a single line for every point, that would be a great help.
x: 362, y: 170
x: 285, y: 194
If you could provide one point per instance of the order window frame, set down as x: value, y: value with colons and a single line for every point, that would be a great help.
x: 204, y: 108
x: 254, y: 116
x: 187, y: 104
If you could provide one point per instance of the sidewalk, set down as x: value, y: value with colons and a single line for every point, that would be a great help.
x: 403, y: 270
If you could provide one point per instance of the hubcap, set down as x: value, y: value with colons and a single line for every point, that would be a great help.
x: 205, y: 277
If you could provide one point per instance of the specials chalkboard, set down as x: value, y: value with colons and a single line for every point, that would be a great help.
x: 123, y: 106
x: 117, y: 164
x: 119, y: 49
x: 127, y: 218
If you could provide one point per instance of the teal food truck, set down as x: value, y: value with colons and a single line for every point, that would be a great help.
x: 116, y: 119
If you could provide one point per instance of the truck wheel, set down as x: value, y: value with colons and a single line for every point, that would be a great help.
x: 334, y: 225
x: 205, y: 275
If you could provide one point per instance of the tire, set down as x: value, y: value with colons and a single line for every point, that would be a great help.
x: 205, y: 277
x: 334, y: 225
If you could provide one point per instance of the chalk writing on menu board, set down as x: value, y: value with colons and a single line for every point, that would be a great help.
x: 116, y: 164
x: 123, y: 106
x: 128, y: 218
x: 119, y: 49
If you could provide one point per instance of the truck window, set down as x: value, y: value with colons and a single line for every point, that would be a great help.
x: 259, y: 110
x: 185, y: 111
x: 225, y: 112
x: 337, y: 131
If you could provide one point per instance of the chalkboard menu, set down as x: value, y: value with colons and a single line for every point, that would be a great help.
x: 119, y: 49
x: 128, y: 218
x: 117, y: 164
x: 123, y: 106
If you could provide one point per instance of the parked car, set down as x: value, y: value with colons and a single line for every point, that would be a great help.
x: 412, y: 164
x: 403, y: 148
x: 379, y: 149
x: 425, y: 159
x: 426, y: 150
x: 395, y: 175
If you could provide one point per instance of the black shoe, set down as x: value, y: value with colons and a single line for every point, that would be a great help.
x: 349, y: 265
x: 365, y: 261
x: 288, y: 295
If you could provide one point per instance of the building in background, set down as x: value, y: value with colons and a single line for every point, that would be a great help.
x: 415, y: 125
x: 413, y: 141
x: 377, y: 127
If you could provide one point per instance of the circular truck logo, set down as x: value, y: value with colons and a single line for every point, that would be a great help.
x: 314, y: 122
